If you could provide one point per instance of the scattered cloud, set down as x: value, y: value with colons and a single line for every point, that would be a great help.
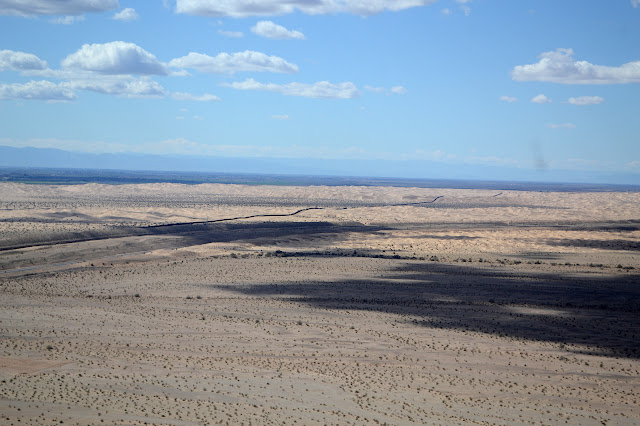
x: 123, y: 86
x: 231, y: 34
x: 126, y: 15
x: 463, y: 6
x: 64, y: 7
x: 509, y: 99
x: 67, y: 20
x: 446, y: 11
x: 270, y: 29
x: 20, y: 61
x: 37, y: 90
x: 560, y: 67
x: 280, y: 117
x: 541, y: 99
x: 375, y: 89
x: 635, y: 3
x: 395, y: 90
x: 225, y: 63
x: 561, y: 126
x: 320, y: 89
x: 244, y: 8
x: 116, y: 57
x: 586, y: 100
x: 181, y: 96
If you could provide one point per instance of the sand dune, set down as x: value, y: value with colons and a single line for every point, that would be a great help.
x: 483, y: 307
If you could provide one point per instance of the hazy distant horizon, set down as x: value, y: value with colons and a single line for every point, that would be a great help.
x: 325, y: 170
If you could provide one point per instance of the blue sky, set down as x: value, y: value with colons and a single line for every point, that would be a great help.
x: 520, y: 84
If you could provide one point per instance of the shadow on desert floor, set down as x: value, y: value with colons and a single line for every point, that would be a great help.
x: 599, y: 314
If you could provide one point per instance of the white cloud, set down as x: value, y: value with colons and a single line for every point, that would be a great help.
x: 541, y: 99
x: 466, y: 10
x: 446, y: 11
x: 232, y: 34
x: 57, y: 7
x: 375, y: 89
x: 280, y: 117
x: 37, y: 90
x: 225, y: 63
x: 635, y: 3
x: 67, y: 20
x: 321, y: 89
x: 399, y: 90
x: 509, y: 99
x: 395, y: 90
x: 124, y: 86
x: 270, y: 29
x: 561, y: 126
x: 20, y: 61
x: 181, y: 96
x: 586, y: 100
x: 244, y: 8
x: 127, y: 14
x: 116, y: 57
x: 560, y: 67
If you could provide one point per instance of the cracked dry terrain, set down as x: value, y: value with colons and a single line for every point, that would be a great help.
x: 511, y: 308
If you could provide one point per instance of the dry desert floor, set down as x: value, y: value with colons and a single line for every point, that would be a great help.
x: 228, y: 304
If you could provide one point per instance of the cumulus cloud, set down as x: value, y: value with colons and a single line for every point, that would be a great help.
x: 126, y: 15
x: 635, y: 3
x: 67, y: 20
x: 541, y: 99
x: 586, y: 100
x: 232, y: 34
x: 225, y: 63
x: 509, y: 99
x: 20, y: 61
x: 560, y: 67
x: 58, y: 7
x: 399, y: 90
x: 320, y: 89
x: 244, y: 8
x: 270, y: 29
x: 181, y: 96
x: 375, y: 89
x: 37, y: 90
x: 395, y: 90
x: 123, y: 86
x: 561, y: 126
x: 116, y: 57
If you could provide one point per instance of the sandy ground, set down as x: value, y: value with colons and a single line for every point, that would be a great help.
x: 481, y: 307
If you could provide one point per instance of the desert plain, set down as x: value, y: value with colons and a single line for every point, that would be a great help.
x: 235, y: 304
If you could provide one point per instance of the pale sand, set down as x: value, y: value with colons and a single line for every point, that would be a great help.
x: 510, y: 309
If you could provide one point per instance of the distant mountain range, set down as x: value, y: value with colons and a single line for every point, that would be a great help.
x: 413, y: 169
